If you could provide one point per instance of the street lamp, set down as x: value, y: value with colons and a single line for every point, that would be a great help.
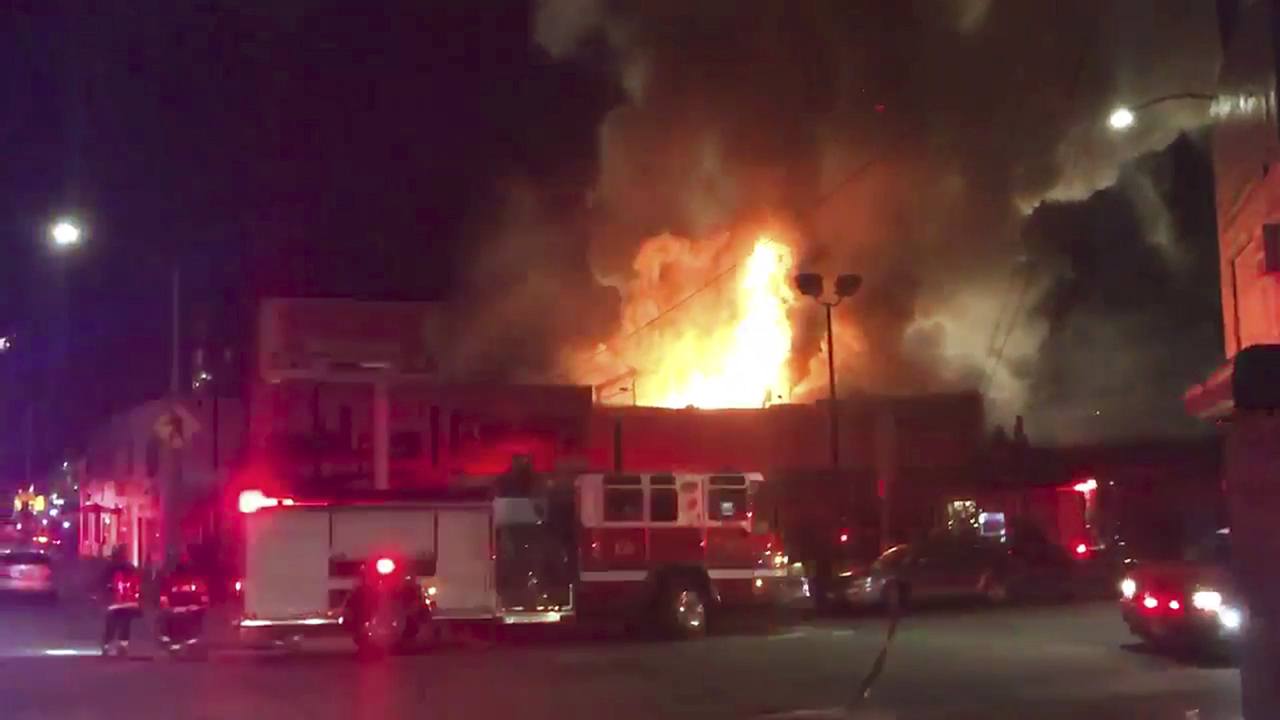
x: 1126, y: 116
x: 811, y: 284
x: 65, y: 233
x: 1121, y: 118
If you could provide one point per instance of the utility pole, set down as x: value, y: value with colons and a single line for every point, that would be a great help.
x: 172, y: 505
x: 28, y: 437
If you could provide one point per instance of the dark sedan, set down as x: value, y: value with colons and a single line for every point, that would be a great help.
x: 1190, y: 603
x: 950, y: 565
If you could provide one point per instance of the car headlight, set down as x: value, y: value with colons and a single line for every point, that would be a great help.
x: 1230, y: 618
x: 1128, y: 588
x: 1207, y: 600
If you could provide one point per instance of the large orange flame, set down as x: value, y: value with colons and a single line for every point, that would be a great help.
x: 695, y: 335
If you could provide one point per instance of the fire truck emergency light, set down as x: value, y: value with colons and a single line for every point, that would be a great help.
x: 385, y: 566
x: 251, y: 501
x: 1085, y: 486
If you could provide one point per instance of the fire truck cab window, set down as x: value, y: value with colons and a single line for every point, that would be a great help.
x: 664, y: 503
x: 623, y: 499
x: 727, y: 504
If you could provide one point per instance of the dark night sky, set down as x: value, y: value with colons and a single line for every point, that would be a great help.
x: 307, y: 147
x: 282, y: 147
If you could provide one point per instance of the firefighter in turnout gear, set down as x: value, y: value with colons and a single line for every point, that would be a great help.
x: 123, y: 588
x: 184, y: 598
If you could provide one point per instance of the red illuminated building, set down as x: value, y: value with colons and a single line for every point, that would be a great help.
x: 1246, y: 150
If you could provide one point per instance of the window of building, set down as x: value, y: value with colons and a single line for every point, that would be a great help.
x: 406, y: 445
x: 435, y: 436
x: 153, y: 457
x: 345, y: 425
x: 623, y: 499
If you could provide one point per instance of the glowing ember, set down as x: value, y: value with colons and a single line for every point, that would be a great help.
x: 728, y: 346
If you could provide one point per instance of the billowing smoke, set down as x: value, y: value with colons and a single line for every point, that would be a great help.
x: 906, y: 141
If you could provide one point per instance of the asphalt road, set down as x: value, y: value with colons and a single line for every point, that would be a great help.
x: 1072, y: 661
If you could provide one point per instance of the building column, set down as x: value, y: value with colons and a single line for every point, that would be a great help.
x: 1251, y: 472
x: 381, y: 435
x: 886, y: 464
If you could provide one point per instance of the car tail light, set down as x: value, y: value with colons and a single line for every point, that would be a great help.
x: 385, y: 566
x: 1082, y: 549
x: 239, y: 586
x: 844, y: 536
x: 1150, y: 603
x: 1175, y: 605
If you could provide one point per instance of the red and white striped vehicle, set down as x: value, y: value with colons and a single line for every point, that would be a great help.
x: 676, y: 547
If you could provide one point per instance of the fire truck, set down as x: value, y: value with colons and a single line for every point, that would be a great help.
x: 673, y: 548
x: 670, y: 549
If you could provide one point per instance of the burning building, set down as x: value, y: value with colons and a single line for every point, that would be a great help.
x: 322, y: 386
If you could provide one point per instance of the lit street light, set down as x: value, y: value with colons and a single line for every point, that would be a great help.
x: 1126, y: 116
x: 1121, y: 119
x: 6, y: 343
x: 65, y: 233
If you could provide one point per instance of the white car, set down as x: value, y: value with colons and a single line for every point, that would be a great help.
x: 27, y: 572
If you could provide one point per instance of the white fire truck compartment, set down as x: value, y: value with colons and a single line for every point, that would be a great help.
x: 466, y: 588
x: 286, y: 564
x: 289, y: 551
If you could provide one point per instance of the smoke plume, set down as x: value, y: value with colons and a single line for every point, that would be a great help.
x: 905, y: 141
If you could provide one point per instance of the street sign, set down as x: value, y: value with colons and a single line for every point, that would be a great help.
x: 176, y: 426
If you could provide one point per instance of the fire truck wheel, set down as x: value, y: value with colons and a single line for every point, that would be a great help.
x: 684, y: 610
x: 382, y: 631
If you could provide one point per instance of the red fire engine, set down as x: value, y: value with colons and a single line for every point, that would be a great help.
x: 667, y: 548
x: 677, y: 545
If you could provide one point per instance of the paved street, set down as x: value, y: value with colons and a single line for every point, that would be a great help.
x: 1068, y: 661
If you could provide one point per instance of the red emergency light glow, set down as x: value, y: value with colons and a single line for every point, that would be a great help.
x: 1086, y: 486
x: 251, y: 501
x: 844, y: 537
x: 385, y: 566
x: 1082, y: 549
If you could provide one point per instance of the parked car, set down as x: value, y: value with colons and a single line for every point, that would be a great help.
x: 1187, y: 604
x: 950, y: 565
x: 27, y: 572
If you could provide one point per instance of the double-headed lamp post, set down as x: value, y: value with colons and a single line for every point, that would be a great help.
x: 811, y: 284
